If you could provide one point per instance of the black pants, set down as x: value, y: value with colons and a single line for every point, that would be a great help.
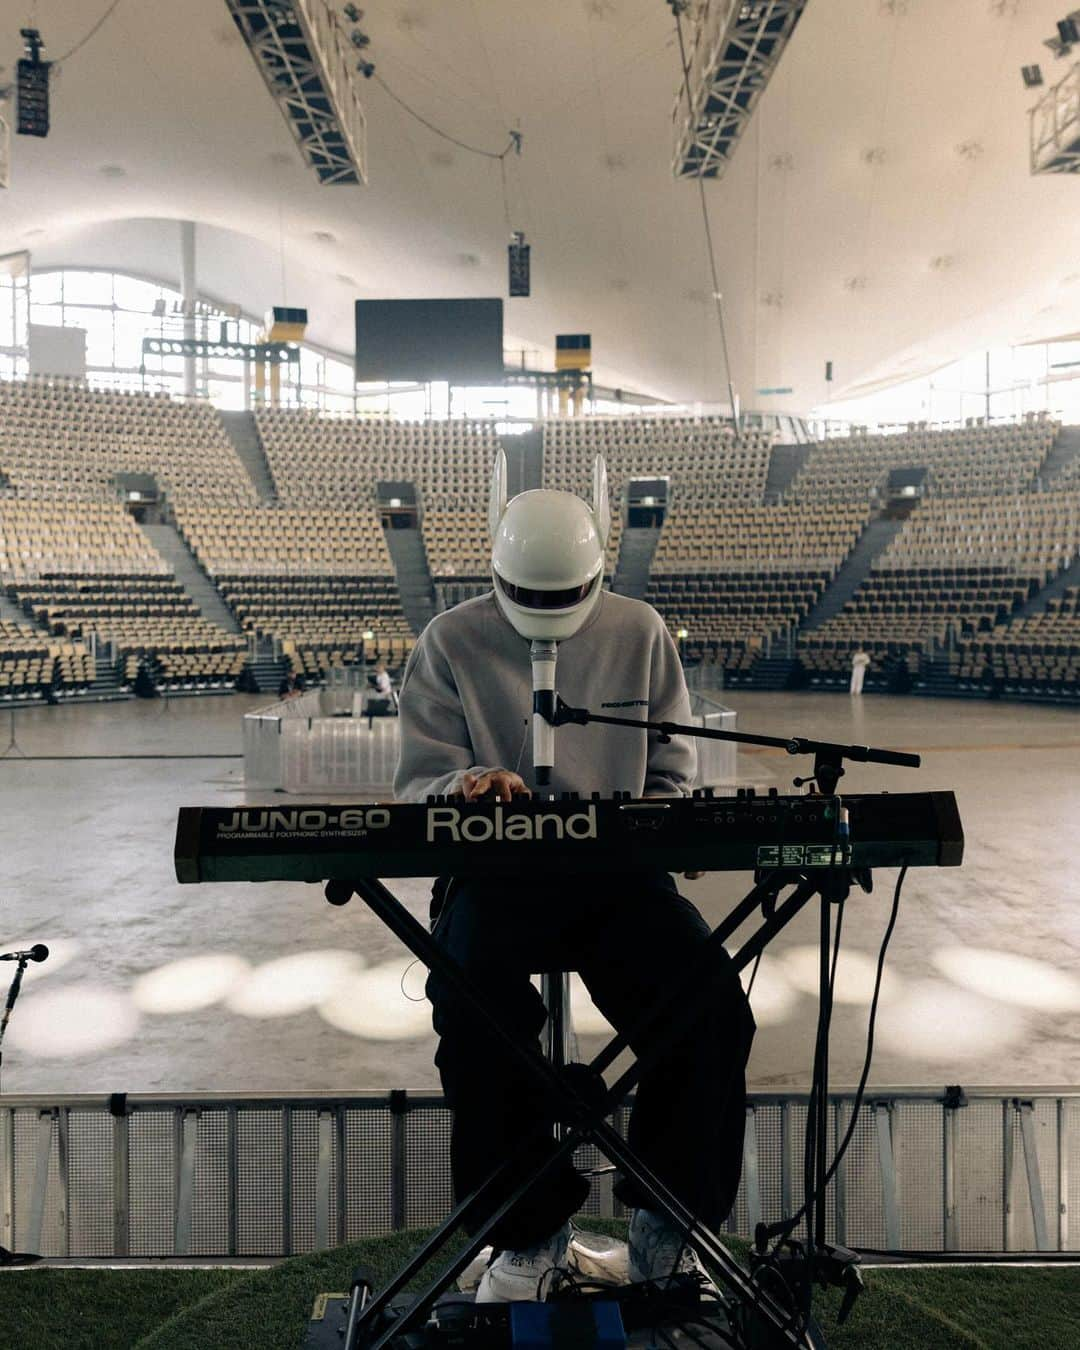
x: 630, y: 936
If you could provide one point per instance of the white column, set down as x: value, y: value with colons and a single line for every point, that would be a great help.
x: 188, y: 294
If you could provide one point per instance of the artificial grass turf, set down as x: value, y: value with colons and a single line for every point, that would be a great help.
x: 43, y: 1308
x: 996, y: 1307
x: 990, y: 1308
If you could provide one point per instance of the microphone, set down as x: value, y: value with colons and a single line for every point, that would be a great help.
x: 543, y: 722
x: 38, y: 952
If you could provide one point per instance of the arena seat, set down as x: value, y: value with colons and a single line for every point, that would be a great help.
x: 312, y: 579
x: 60, y: 438
x: 959, y: 568
x: 736, y: 578
x: 999, y: 459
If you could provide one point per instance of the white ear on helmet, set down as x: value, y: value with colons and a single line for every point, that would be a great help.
x: 497, y: 501
x: 601, y: 503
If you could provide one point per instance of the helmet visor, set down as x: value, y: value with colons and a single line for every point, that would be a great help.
x: 530, y: 598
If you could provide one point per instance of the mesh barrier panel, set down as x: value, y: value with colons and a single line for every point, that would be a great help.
x: 917, y: 1148
x: 210, y: 1213
x: 90, y: 1184
x: 1070, y: 1125
x: 268, y: 1177
x: 304, y: 1184
x: 260, y: 1190
x: 767, y: 1118
x: 52, y: 1237
x: 152, y: 1168
x: 1021, y: 1228
x: 979, y: 1177
x: 369, y: 1210
x: 864, y: 1210
x: 428, y: 1194
x: 795, y: 1149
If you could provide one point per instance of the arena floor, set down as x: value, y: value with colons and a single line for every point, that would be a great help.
x: 280, y: 992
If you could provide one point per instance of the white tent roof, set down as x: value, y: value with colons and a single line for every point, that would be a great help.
x: 879, y: 212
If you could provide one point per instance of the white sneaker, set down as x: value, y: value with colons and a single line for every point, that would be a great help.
x: 525, y: 1274
x: 658, y: 1250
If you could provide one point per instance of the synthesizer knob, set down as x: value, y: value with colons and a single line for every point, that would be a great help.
x: 594, y: 796
x: 774, y: 792
x: 709, y: 793
x: 430, y: 799
x: 698, y: 794
x: 569, y: 796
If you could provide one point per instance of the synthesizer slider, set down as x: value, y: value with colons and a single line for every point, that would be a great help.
x: 598, y: 834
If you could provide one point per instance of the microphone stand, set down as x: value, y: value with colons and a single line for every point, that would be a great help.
x: 9, y: 1258
x: 826, y: 1263
x: 829, y: 756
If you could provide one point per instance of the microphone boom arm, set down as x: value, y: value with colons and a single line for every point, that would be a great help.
x: 828, y: 755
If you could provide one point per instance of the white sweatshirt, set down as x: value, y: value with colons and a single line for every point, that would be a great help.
x: 465, y: 702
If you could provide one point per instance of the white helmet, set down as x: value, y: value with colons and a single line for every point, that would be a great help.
x: 547, y: 560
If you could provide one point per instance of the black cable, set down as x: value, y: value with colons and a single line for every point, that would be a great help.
x: 813, y: 1190
x: 82, y: 43
x: 684, y: 62
x: 865, y: 1074
x: 514, y: 142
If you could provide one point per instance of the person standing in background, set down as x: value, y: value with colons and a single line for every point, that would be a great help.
x: 859, y: 662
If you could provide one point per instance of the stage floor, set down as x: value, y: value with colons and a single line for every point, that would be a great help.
x: 283, y: 993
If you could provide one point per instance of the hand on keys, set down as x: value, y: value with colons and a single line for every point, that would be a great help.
x: 499, y: 785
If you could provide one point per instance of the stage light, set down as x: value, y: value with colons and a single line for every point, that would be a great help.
x: 353, y: 14
x: 586, y: 1017
x: 937, y: 1023
x: 292, y: 984
x: 1012, y: 979
x: 374, y: 1006
x: 189, y: 984
x: 77, y: 1020
x: 772, y: 997
x: 1068, y: 31
x: 1033, y: 76
x: 366, y: 68
x: 359, y: 39
x: 855, y: 973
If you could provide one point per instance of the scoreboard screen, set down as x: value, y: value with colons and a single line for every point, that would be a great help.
x: 460, y: 341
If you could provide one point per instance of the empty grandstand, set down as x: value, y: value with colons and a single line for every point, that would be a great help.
x: 308, y: 576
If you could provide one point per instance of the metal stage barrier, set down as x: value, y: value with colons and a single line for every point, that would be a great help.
x: 217, y: 1176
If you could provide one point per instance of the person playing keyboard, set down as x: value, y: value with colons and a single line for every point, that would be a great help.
x: 465, y: 703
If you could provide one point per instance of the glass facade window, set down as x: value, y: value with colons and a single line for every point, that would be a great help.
x: 118, y: 311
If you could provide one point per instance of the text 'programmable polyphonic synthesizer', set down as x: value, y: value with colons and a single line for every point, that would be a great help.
x: 598, y: 834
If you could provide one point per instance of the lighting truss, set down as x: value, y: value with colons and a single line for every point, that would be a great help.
x: 1055, y: 127
x: 307, y: 62
x: 274, y: 353
x: 737, y: 46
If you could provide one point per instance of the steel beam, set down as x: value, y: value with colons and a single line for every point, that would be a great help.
x: 1054, y: 127
x: 309, y: 66
x: 737, y: 48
